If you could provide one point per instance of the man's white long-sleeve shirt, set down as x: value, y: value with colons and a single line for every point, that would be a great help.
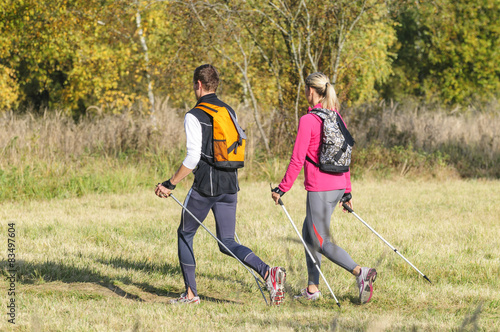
x: 194, y: 139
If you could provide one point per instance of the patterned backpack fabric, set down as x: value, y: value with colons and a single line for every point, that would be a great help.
x: 336, y: 145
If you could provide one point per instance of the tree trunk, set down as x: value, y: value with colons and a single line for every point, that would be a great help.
x: 142, y: 38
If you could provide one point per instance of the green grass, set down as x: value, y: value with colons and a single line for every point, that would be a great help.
x: 68, y: 176
x: 87, y: 174
x: 108, y: 262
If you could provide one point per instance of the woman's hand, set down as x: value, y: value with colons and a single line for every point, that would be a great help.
x: 276, y: 194
x: 349, y: 204
x: 347, y: 199
x: 276, y: 197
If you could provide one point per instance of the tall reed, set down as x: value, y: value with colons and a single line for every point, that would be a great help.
x: 468, y: 140
x: 55, y: 155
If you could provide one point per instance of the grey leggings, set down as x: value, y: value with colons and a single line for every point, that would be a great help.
x: 316, y: 233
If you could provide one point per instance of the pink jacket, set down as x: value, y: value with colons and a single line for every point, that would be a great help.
x: 308, y: 143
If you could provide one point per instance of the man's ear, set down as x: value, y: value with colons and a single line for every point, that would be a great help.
x: 199, y: 85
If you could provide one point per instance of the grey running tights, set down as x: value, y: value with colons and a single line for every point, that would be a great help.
x: 316, y: 233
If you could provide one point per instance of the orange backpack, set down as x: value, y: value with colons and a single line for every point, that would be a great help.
x: 228, y: 137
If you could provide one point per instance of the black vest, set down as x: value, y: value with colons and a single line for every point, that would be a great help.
x: 208, y: 180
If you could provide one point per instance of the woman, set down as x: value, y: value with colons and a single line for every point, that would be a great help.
x: 324, y: 191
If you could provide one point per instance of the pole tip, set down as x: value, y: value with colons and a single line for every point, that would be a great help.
x: 339, y: 305
x: 425, y: 277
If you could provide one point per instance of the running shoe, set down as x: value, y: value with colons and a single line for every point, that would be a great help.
x: 184, y: 300
x: 304, y: 294
x: 276, y: 285
x: 365, y: 284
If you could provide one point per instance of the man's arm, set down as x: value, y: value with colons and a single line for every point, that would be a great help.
x: 193, y: 145
x: 182, y: 172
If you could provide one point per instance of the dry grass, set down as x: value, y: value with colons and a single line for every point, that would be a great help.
x: 425, y: 127
x: 53, y: 156
x: 468, y: 141
x: 55, y: 135
x: 109, y: 262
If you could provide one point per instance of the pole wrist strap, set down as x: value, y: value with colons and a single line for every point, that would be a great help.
x: 167, y: 184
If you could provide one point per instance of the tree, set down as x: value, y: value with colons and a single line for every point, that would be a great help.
x: 341, y: 39
x: 73, y: 54
x: 285, y: 41
x: 447, y: 51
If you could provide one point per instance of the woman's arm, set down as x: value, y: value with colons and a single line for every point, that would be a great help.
x: 299, y: 153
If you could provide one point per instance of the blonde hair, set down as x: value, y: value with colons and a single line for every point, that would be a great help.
x: 324, y: 88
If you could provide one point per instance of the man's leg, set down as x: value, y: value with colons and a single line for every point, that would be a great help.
x: 225, y: 218
x: 199, y: 206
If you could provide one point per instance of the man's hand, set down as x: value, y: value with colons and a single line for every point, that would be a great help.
x: 161, y: 191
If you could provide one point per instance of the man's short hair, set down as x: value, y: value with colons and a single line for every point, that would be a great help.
x: 208, y: 76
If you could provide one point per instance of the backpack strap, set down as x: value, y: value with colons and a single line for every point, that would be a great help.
x: 321, y: 113
x: 342, y: 150
x: 241, y: 132
x: 311, y: 161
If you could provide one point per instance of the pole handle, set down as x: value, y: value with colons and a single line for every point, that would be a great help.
x: 280, y: 202
x: 347, y: 207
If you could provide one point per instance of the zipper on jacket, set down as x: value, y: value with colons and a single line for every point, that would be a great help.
x: 237, y: 182
x: 211, y: 183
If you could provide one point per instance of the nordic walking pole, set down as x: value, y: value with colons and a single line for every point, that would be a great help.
x: 394, y: 249
x: 223, y: 245
x: 307, y: 249
x: 237, y: 238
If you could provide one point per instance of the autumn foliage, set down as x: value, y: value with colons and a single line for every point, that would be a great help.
x: 113, y: 56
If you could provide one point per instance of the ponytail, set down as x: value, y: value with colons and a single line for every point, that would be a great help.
x: 330, y: 101
x: 324, y: 88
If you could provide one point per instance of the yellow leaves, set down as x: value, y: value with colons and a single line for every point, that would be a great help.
x: 9, y: 89
x: 115, y: 101
x: 96, y: 46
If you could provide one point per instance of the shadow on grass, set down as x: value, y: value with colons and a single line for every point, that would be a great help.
x: 292, y: 239
x: 49, y: 271
x: 165, y: 269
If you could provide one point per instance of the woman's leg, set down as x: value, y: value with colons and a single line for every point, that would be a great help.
x: 320, y: 206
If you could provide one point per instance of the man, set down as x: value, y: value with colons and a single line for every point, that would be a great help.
x: 213, y: 189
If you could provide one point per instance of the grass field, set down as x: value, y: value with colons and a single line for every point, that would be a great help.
x: 109, y: 262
